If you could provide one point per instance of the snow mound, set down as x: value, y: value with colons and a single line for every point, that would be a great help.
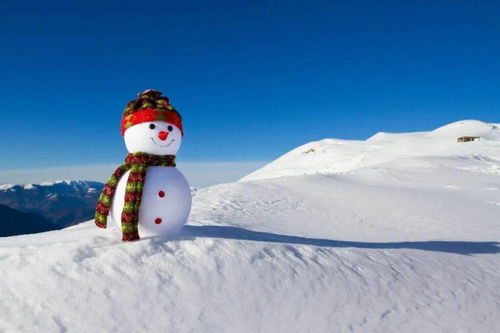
x: 337, y: 156
x: 468, y: 128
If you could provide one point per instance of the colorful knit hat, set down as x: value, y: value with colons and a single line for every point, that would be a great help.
x: 150, y: 105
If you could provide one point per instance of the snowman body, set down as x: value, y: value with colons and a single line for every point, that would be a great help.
x: 166, y: 195
x: 165, y: 203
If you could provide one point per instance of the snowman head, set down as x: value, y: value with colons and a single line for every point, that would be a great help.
x: 155, y: 137
x: 151, y: 125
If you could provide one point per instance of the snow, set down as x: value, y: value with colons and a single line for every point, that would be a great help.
x: 61, y: 181
x: 337, y: 156
x: 362, y: 236
x: 66, y: 182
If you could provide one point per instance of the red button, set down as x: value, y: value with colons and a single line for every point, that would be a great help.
x: 158, y: 220
x: 161, y: 194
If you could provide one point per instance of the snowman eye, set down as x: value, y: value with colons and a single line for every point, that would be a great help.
x: 152, y: 126
x: 170, y: 128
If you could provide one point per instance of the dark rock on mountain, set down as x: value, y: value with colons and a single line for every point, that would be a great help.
x: 13, y: 222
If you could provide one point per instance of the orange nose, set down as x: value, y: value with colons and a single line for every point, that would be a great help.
x: 162, y: 135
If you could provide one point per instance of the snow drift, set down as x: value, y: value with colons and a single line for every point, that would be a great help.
x: 396, y: 233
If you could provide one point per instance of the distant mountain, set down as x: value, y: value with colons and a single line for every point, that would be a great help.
x: 61, y: 202
x: 14, y: 222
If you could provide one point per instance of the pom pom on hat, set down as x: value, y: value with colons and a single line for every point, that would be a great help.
x: 150, y: 105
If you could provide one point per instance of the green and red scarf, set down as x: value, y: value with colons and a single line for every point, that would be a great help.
x: 137, y: 163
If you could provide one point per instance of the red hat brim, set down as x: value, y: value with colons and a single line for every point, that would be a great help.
x: 147, y: 115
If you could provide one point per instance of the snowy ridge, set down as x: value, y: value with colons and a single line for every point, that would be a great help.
x: 407, y: 244
x: 73, y: 183
x: 334, y: 156
x: 47, y: 183
x: 63, y: 181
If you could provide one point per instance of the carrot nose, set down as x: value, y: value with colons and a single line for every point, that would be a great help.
x: 162, y: 135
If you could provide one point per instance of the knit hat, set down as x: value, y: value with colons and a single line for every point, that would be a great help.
x: 150, y: 105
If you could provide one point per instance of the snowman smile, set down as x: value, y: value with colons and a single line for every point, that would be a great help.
x: 163, y: 146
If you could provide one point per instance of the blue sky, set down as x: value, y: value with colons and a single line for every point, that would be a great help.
x: 252, y: 80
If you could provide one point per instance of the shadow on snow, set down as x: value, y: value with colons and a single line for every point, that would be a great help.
x: 458, y: 247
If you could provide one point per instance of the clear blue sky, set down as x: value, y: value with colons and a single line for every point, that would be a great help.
x: 252, y: 80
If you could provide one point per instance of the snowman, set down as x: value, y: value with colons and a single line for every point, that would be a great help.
x: 147, y: 195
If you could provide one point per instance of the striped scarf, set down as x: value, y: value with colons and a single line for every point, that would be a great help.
x: 137, y: 163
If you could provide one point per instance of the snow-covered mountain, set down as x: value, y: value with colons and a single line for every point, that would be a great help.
x: 336, y: 156
x: 398, y: 233
x: 62, y: 202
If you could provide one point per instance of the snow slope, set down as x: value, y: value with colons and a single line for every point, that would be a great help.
x: 334, y: 156
x: 401, y: 243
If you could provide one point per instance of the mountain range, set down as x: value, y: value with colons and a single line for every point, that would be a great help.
x: 62, y: 202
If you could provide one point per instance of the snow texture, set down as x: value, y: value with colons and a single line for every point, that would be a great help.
x: 398, y: 233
